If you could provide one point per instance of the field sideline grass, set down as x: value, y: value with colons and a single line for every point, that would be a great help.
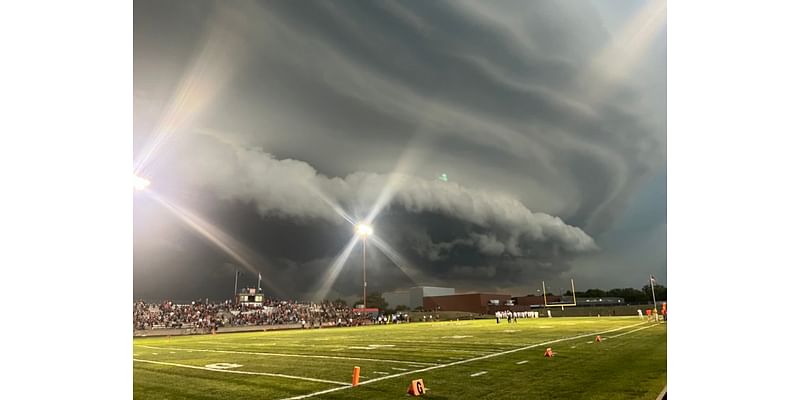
x: 456, y: 359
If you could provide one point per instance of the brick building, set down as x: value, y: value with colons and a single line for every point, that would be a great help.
x: 481, y: 303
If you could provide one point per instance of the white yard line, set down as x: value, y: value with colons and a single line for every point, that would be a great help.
x: 242, y: 372
x: 635, y: 330
x: 522, y: 362
x: 478, y: 373
x: 433, y: 342
x: 305, y: 396
x: 290, y: 355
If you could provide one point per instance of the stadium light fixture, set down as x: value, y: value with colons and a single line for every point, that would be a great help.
x: 364, y: 230
x: 140, y: 183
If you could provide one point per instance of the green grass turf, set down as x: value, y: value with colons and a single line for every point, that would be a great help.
x: 631, y: 366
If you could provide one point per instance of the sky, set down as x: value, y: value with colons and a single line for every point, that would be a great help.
x: 268, y: 128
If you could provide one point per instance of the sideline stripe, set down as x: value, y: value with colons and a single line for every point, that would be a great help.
x: 290, y: 355
x: 662, y: 394
x: 305, y: 396
x: 242, y: 372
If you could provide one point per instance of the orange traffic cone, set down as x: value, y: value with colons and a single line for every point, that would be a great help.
x: 549, y: 352
x: 598, y: 338
x: 356, y: 375
x: 416, y: 388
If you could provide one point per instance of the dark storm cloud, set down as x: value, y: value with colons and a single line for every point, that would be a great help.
x: 456, y: 252
x: 294, y: 189
x: 467, y: 79
x: 279, y: 102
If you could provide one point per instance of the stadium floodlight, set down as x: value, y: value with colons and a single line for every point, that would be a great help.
x: 363, y: 230
x: 140, y: 183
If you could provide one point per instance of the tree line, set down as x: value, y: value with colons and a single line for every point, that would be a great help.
x: 630, y: 295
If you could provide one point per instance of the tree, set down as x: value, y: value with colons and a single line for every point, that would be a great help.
x: 630, y: 295
x: 616, y: 292
x: 374, y: 300
x: 595, y: 293
x: 660, y: 291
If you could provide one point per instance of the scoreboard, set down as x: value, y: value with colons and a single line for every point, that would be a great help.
x: 250, y: 297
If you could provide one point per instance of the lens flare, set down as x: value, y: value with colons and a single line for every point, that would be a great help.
x: 408, y: 269
x: 335, y: 268
x: 213, y: 66
x: 244, y: 256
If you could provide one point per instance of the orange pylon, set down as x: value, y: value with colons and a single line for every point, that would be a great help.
x: 416, y: 388
x: 356, y: 375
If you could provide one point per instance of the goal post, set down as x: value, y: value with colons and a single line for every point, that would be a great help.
x: 574, y: 297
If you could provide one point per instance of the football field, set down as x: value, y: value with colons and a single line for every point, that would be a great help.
x: 455, y: 359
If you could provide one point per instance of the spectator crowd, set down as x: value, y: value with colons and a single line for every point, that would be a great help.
x: 207, y: 316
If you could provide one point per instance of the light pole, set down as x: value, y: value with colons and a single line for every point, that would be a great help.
x: 364, y: 230
x: 236, y: 286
